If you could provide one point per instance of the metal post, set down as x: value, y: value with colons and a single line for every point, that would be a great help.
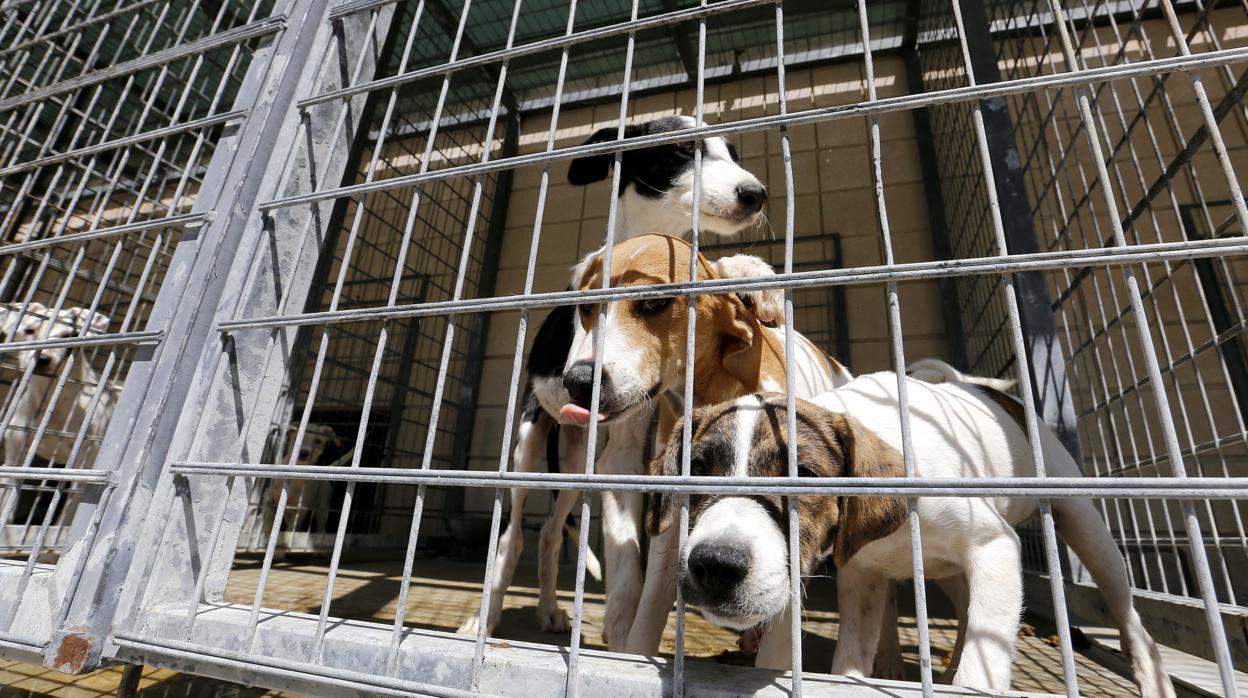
x: 1035, y: 306
x: 147, y: 429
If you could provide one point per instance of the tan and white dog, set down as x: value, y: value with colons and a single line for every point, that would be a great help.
x: 80, y: 392
x: 735, y: 567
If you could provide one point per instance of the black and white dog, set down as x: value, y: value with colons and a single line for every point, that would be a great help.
x: 655, y: 196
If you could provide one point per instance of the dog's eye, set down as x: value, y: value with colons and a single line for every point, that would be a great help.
x: 654, y: 306
x: 697, y: 466
x: 804, y: 470
x: 686, y: 147
x: 587, y: 310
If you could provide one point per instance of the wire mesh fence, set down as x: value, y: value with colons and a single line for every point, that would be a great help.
x: 276, y: 274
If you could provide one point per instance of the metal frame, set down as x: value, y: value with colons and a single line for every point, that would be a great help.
x: 142, y: 568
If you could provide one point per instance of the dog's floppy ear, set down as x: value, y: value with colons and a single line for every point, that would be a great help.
x: 661, y: 506
x: 587, y: 272
x: 741, y: 349
x: 865, y: 519
x: 594, y: 168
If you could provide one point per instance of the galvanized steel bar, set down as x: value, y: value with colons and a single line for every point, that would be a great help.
x: 101, y: 340
x: 905, y: 271
x: 1160, y: 487
x: 188, y: 220
x: 263, y: 27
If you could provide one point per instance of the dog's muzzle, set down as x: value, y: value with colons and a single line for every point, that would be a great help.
x: 578, y: 381
x: 751, y: 197
x: 713, y: 573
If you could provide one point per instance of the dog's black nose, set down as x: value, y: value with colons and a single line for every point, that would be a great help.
x: 578, y: 380
x: 752, y: 197
x: 42, y: 360
x: 716, y: 570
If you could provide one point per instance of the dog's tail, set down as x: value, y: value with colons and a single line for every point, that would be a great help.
x: 592, y: 565
x: 937, y: 371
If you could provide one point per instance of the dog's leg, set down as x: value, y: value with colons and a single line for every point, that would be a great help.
x: 995, y: 603
x: 955, y: 588
x: 658, y: 593
x: 1081, y: 526
x: 889, y: 663
x: 621, y: 519
x: 775, y: 648
x: 550, y: 617
x: 861, y: 596
x: 527, y: 455
x: 510, y: 546
x: 621, y: 526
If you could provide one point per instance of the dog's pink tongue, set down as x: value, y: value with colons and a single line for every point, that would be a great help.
x: 575, y: 414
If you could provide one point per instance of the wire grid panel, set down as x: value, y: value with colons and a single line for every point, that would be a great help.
x: 111, y: 114
x: 1158, y: 136
x: 317, y: 645
x: 300, y: 310
x: 407, y: 375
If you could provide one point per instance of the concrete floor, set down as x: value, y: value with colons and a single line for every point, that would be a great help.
x: 446, y: 592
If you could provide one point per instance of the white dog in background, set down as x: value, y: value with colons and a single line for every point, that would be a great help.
x: 303, y: 495
x: 80, y: 395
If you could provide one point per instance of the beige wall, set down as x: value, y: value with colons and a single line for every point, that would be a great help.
x: 832, y: 194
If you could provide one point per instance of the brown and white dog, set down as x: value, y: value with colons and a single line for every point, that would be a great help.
x: 735, y: 566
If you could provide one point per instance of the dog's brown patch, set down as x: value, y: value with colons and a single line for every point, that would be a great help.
x: 1012, y: 405
x: 866, y: 519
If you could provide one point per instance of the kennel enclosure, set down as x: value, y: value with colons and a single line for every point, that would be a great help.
x: 351, y: 214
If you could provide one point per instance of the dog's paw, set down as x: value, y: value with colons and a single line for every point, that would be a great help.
x: 553, y: 620
x: 890, y: 670
x: 768, y: 305
x: 889, y: 664
x: 749, y: 640
x: 471, y: 626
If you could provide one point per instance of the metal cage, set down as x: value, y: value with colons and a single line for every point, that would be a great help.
x: 271, y: 271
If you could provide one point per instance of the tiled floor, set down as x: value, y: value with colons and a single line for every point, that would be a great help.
x: 26, y: 681
x: 445, y: 593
